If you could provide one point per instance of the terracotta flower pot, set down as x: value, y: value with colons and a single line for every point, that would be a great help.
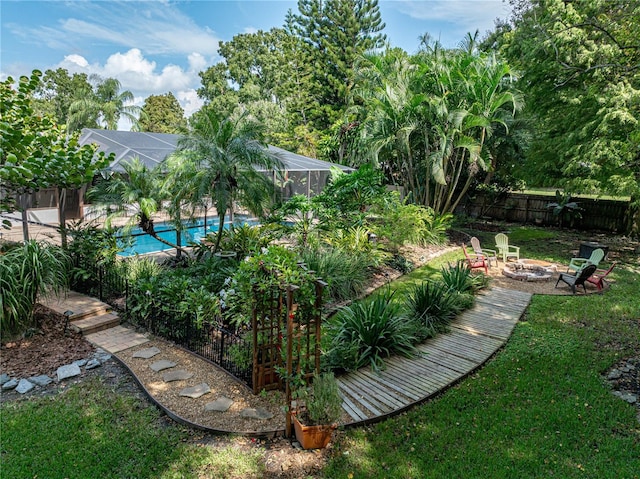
x: 313, y: 437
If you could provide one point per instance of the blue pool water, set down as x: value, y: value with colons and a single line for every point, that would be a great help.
x: 142, y: 243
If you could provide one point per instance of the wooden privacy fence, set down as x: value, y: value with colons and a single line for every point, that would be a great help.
x: 597, y: 214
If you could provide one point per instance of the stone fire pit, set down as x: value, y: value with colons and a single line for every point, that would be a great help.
x: 529, y: 270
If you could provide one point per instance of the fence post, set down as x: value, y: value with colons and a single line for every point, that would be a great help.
x: 100, y: 279
x: 222, y: 335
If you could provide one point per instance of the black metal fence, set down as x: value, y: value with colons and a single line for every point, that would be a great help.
x: 104, y: 282
x: 208, y: 339
x: 222, y: 346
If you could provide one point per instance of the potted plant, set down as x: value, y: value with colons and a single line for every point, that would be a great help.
x: 315, y: 422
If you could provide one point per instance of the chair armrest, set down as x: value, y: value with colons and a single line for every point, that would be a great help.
x: 489, y: 252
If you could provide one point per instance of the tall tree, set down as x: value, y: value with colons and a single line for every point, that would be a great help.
x: 580, y: 64
x: 103, y: 106
x: 36, y: 152
x: 427, y: 119
x: 228, y: 154
x: 162, y: 114
x: 337, y: 33
x: 58, y: 90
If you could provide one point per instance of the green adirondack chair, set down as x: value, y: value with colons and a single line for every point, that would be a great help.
x: 578, y: 264
x: 505, y: 249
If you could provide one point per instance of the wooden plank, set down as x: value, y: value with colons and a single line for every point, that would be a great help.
x: 474, y: 336
x: 396, y: 387
x: 461, y: 365
x: 363, y: 401
x: 411, y: 375
x: 378, y: 389
x: 352, y: 409
x: 364, y: 391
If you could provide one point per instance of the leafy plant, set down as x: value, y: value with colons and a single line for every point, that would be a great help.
x: 400, y: 263
x: 324, y: 404
x: 431, y: 305
x: 564, y: 209
x: 28, y: 271
x: 459, y: 278
x: 371, y: 331
x: 346, y: 273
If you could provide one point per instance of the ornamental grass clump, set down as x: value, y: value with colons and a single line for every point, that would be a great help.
x: 366, y: 332
x: 431, y: 305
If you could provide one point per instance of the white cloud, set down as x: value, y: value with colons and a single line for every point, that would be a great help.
x: 142, y: 77
x: 465, y: 14
x: 189, y: 101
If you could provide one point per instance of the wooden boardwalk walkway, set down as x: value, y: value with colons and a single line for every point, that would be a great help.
x: 473, y: 338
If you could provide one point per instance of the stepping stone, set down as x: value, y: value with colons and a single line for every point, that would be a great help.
x: 259, y: 413
x: 68, y: 371
x: 162, y: 365
x: 42, y: 380
x: 196, y: 391
x: 102, y: 356
x: 177, y: 375
x: 80, y: 362
x: 92, y: 364
x: 146, y: 353
x: 12, y: 383
x: 222, y: 404
x: 4, y: 378
x: 24, y: 386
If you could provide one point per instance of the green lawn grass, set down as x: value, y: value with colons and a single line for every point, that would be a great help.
x: 90, y: 431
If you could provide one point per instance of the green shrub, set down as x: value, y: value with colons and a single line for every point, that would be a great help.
x: 27, y: 271
x: 355, y: 241
x: 431, y: 305
x: 140, y: 267
x: 401, y: 223
x: 400, y: 263
x: 369, y: 331
x: 346, y: 273
x: 460, y: 279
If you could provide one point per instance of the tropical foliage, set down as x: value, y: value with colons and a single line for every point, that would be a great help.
x: 28, y: 271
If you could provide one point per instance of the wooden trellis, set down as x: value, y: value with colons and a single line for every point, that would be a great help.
x: 281, y: 325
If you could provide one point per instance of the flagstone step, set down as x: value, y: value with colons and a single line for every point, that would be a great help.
x: 76, y: 304
x: 93, y: 324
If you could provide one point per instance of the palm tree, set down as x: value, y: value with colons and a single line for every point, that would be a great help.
x: 103, y: 106
x: 138, y: 187
x: 228, y: 154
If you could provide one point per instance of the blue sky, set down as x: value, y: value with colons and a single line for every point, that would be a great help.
x: 157, y: 46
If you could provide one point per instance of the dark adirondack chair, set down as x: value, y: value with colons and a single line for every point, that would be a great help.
x: 578, y: 279
x: 599, y: 276
x: 475, y: 261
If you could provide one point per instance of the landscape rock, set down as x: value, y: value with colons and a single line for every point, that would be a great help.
x: 221, y: 404
x: 146, y: 353
x: 177, y: 375
x: 12, y: 383
x: 68, y: 371
x: 4, y: 378
x: 24, y: 386
x: 93, y: 363
x: 162, y: 365
x: 80, y: 362
x: 102, y: 356
x: 614, y: 374
x: 258, y: 413
x: 41, y: 380
x: 196, y: 391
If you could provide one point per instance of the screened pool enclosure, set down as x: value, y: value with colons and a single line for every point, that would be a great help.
x: 302, y: 175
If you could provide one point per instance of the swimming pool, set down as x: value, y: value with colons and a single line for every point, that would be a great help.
x: 142, y: 243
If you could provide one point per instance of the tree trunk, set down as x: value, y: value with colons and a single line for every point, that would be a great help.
x: 220, y: 228
x: 62, y: 215
x: 24, y: 209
